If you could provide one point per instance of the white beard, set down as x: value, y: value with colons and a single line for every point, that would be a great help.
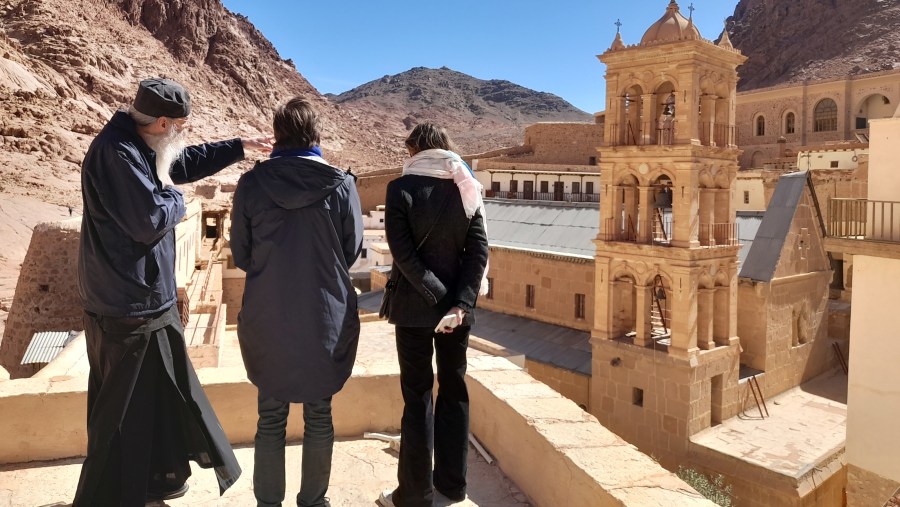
x: 168, y: 148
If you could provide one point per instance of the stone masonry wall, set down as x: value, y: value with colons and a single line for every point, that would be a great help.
x: 372, y: 189
x: 774, y: 103
x: 556, y: 280
x: 564, y: 143
x: 46, y: 297
x: 570, y: 384
x: 865, y: 488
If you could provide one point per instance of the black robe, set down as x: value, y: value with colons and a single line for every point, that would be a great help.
x: 147, y: 413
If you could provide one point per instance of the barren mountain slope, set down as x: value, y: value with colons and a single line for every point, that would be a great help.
x: 65, y: 65
x: 480, y: 115
x: 793, y: 40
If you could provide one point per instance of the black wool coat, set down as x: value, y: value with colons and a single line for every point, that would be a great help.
x: 447, y: 270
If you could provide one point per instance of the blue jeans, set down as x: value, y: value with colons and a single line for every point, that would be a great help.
x: 441, y: 428
x: 268, y: 456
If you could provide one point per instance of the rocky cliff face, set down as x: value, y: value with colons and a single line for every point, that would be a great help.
x: 66, y: 65
x: 794, y: 40
x: 479, y: 115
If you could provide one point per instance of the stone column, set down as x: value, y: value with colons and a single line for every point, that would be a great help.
x: 707, y: 216
x: 602, y: 299
x: 642, y: 324
x: 708, y: 120
x: 705, y: 307
x: 684, y: 313
x: 646, y: 214
x: 725, y: 134
x: 648, y: 125
x: 723, y: 214
x: 720, y: 315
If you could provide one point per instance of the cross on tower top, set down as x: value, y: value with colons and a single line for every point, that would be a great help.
x: 692, y: 9
x: 618, y: 24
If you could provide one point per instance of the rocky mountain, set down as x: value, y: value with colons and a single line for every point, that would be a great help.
x: 66, y: 65
x: 479, y: 114
x: 793, y: 40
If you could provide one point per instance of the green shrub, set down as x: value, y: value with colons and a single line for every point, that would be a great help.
x: 715, y: 490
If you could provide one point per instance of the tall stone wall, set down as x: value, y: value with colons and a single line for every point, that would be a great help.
x: 372, y: 189
x: 556, y: 280
x: 46, y: 297
x: 773, y: 104
x: 573, y: 385
x: 564, y: 143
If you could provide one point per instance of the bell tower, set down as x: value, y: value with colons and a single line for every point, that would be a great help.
x: 665, y: 350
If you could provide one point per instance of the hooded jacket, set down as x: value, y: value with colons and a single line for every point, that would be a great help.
x: 126, y: 263
x: 296, y: 230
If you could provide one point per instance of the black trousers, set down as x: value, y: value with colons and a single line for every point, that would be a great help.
x: 147, y: 414
x: 441, y: 428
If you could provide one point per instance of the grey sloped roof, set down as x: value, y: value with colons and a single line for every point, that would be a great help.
x: 559, y: 228
x: 45, y: 346
x: 763, y: 255
x: 546, y: 343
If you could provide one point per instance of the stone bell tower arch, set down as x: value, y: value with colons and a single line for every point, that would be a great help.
x: 664, y: 341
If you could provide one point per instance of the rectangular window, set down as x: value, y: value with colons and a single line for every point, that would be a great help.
x: 576, y: 187
x: 834, y: 164
x: 490, y: 292
x: 231, y: 262
x: 746, y: 197
x: 495, y: 186
x: 529, y: 296
x: 592, y: 161
x: 589, y: 187
x: 579, y: 306
x: 545, y: 187
x: 363, y: 253
x: 637, y: 397
x: 513, y: 186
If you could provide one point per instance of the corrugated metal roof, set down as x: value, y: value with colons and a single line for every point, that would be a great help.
x: 45, y: 346
x: 762, y: 257
x: 561, y: 228
x: 546, y: 343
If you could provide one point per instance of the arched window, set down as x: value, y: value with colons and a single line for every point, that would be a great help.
x: 760, y: 125
x: 789, y: 120
x: 825, y: 116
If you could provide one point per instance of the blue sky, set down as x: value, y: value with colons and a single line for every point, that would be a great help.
x: 546, y: 46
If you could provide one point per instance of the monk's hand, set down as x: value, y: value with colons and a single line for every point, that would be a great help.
x: 259, y: 144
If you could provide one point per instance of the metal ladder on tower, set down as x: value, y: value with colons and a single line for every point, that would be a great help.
x: 657, y: 315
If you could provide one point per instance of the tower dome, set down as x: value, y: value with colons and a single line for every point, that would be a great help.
x: 672, y: 26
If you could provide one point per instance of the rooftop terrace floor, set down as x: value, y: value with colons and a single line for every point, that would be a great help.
x: 807, y: 425
x: 361, y: 470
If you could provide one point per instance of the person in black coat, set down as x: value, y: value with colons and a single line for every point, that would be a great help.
x: 435, y: 227
x: 147, y: 413
x: 296, y: 230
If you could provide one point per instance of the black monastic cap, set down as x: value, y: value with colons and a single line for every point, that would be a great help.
x: 162, y: 97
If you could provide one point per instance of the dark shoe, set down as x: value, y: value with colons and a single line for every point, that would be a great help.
x: 155, y: 496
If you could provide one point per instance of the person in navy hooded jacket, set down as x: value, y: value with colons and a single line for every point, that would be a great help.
x: 296, y: 230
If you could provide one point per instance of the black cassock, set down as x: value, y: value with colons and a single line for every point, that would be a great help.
x: 147, y: 413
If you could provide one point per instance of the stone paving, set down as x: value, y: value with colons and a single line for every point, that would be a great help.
x: 361, y: 470
x: 806, y: 426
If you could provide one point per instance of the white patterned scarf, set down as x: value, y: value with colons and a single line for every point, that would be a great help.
x: 447, y: 165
